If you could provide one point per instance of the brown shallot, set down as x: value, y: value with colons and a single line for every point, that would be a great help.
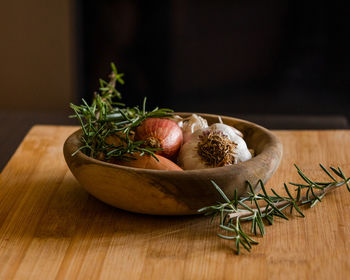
x: 149, y: 162
x: 164, y: 134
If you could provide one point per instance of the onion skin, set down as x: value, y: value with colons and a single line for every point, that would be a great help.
x: 161, y: 133
x: 149, y: 162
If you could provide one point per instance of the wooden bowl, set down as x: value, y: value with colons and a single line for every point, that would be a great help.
x: 163, y: 192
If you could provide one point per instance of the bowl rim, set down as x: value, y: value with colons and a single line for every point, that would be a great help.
x: 208, y: 171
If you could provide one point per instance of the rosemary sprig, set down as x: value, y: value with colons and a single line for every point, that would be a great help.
x: 249, y: 208
x: 105, y: 118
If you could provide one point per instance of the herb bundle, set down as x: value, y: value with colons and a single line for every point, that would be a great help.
x: 106, y: 118
x: 250, y: 208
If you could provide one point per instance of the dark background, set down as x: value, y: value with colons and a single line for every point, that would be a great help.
x: 281, y: 64
x: 226, y: 57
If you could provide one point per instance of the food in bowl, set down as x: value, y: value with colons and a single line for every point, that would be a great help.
x: 104, y: 156
x: 156, y: 139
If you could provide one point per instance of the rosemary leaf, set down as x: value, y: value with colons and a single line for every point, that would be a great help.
x: 232, y: 212
x: 105, y: 118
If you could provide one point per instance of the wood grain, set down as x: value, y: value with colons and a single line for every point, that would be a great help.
x: 50, y: 228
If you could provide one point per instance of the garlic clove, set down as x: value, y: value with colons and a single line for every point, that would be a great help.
x: 226, y: 128
x: 179, y: 120
x: 192, y: 124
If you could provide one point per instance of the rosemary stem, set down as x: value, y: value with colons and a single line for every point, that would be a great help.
x: 238, y: 210
x: 281, y: 204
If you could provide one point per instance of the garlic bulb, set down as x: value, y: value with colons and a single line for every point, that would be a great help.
x: 178, y: 120
x: 192, y: 124
x: 217, y: 145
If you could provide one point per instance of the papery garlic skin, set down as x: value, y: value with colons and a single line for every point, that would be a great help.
x: 226, y: 129
x: 242, y: 151
x: 179, y: 120
x: 189, y: 157
x: 192, y: 124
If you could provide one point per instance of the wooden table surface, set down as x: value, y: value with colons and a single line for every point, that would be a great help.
x: 51, y: 228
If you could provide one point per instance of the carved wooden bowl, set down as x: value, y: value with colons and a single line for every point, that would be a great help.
x: 163, y: 192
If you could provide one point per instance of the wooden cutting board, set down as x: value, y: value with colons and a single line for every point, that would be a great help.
x: 51, y: 228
